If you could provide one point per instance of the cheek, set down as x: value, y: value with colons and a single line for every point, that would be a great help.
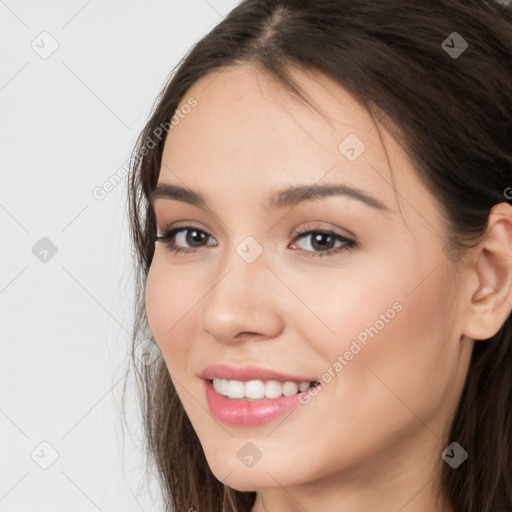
x: 379, y: 320
x: 170, y: 299
x: 399, y: 335
x: 391, y: 373
x: 158, y: 299
x: 346, y: 307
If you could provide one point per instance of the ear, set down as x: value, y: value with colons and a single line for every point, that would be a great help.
x: 491, y: 297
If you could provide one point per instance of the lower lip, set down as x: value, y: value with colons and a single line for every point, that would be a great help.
x: 248, y: 413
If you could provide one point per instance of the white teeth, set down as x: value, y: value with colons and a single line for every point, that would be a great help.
x: 258, y: 389
x: 236, y: 389
x: 303, y: 386
x: 221, y: 386
x: 273, y: 389
x: 254, y: 389
x: 290, y: 388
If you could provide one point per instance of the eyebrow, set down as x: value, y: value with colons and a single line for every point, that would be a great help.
x: 286, y: 198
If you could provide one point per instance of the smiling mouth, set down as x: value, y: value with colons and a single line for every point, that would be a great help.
x: 259, y: 389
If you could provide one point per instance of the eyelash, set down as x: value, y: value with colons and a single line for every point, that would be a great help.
x: 167, y: 238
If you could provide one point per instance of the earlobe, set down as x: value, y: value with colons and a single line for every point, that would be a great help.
x: 491, y: 300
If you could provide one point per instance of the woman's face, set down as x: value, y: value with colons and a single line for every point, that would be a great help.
x: 361, y: 299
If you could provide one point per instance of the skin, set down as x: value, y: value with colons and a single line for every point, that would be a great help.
x: 372, y: 438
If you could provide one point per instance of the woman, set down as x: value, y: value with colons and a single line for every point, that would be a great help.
x: 320, y: 211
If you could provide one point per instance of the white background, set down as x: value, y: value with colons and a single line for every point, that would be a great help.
x: 67, y: 123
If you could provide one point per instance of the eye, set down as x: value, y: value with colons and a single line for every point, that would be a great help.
x: 183, y: 235
x: 322, y: 243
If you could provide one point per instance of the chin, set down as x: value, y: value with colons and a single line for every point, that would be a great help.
x: 263, y: 474
x: 245, y: 480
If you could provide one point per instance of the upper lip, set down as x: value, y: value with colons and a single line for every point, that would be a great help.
x: 246, y: 373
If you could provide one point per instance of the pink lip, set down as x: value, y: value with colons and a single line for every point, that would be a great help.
x: 223, y: 371
x: 248, y: 413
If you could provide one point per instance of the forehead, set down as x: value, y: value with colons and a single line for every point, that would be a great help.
x: 257, y: 111
x: 248, y: 131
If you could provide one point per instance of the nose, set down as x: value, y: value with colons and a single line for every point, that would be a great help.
x: 244, y: 302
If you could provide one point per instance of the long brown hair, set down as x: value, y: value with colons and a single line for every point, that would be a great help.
x: 454, y: 113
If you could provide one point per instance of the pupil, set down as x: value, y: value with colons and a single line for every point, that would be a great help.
x: 317, y: 240
x: 195, y: 236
